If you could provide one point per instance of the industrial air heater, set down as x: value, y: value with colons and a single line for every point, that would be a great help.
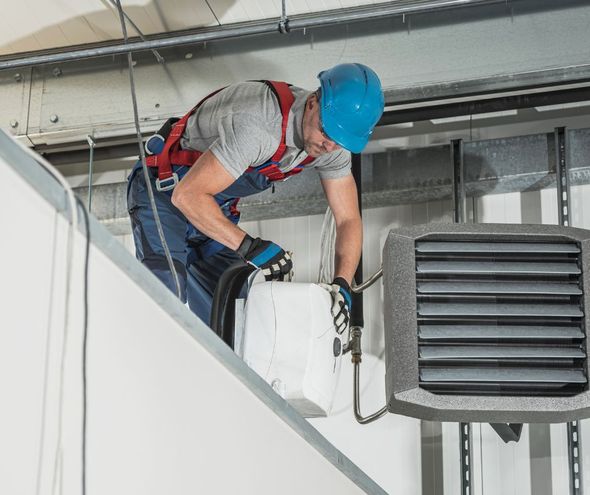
x: 487, y: 322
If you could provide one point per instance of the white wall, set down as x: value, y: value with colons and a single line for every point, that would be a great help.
x: 170, y: 409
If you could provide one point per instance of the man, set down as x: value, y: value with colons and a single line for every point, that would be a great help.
x: 237, y: 142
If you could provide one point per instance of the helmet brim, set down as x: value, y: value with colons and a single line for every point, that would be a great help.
x: 348, y: 141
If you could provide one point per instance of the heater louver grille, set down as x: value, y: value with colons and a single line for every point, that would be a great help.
x: 500, y: 318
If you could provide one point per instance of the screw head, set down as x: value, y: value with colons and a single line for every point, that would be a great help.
x: 18, y: 77
x: 57, y: 72
x: 14, y: 124
x: 54, y: 118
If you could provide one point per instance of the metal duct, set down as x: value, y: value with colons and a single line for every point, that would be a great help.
x: 487, y: 322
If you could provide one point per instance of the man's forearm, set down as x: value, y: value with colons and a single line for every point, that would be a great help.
x: 204, y: 213
x: 349, y: 242
x: 194, y: 197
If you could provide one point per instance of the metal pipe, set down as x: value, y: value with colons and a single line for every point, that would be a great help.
x: 357, y: 410
x: 135, y: 46
x: 367, y: 283
x: 379, y: 11
x: 339, y: 16
x: 356, y: 354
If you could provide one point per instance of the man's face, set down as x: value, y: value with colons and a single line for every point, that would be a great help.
x: 315, y: 142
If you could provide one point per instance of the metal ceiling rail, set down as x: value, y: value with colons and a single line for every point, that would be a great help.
x: 330, y: 17
x: 499, y: 83
x: 489, y: 105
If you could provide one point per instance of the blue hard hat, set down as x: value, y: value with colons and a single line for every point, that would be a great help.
x: 351, y: 103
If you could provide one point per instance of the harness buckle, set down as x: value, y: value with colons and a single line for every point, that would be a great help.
x: 163, y: 186
x: 154, y: 144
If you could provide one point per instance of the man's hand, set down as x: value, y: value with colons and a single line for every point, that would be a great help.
x: 341, y: 302
x: 274, y: 262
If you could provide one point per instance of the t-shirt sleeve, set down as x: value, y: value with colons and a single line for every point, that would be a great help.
x: 335, y: 165
x: 243, y: 142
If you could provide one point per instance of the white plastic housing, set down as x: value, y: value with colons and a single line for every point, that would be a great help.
x: 290, y: 341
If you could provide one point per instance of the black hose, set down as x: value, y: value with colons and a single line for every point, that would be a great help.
x: 223, y: 308
x: 357, y: 315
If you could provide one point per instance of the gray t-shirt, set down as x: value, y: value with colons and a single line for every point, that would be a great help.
x: 241, y: 125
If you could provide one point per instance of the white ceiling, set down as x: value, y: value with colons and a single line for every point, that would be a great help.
x: 30, y: 25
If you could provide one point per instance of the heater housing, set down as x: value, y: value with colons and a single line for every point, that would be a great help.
x: 487, y: 322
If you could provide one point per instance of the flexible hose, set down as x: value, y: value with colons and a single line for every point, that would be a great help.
x: 327, y: 248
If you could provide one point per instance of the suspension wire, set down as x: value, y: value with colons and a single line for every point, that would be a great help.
x: 85, y: 345
x: 159, y: 57
x: 146, y: 174
x: 91, y: 144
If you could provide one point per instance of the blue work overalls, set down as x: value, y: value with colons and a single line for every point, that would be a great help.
x: 199, y: 260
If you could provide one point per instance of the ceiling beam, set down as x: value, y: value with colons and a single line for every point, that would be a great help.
x: 200, y: 35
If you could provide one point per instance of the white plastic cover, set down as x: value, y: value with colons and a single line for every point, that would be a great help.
x: 289, y: 339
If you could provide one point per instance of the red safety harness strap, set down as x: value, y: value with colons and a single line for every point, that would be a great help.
x: 171, y: 154
x: 286, y: 99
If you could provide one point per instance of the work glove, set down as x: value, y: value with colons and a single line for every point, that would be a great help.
x: 341, y: 302
x: 274, y: 262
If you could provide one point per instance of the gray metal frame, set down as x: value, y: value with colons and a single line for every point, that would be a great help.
x: 460, y: 216
x: 404, y: 395
x: 562, y: 175
x: 459, y: 198
x: 574, y: 450
x: 465, y: 447
x: 574, y: 441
